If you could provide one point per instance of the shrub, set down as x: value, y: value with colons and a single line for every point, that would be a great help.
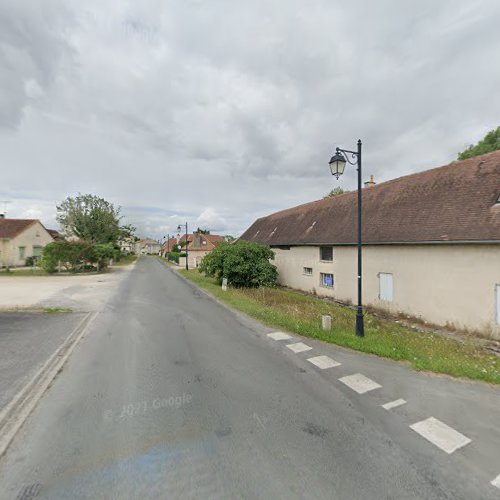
x: 244, y: 264
x: 73, y: 255
x: 30, y: 261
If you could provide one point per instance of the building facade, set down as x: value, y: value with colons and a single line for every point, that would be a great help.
x: 20, y: 239
x: 431, y: 245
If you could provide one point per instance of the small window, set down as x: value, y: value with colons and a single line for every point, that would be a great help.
x: 326, y: 279
x: 385, y: 287
x: 37, y: 251
x: 22, y: 252
x: 308, y: 271
x: 326, y: 253
x: 203, y: 242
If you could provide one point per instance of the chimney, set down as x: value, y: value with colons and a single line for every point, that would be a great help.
x: 371, y: 182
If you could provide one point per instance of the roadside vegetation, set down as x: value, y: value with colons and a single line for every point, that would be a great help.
x: 294, y: 312
x: 125, y: 260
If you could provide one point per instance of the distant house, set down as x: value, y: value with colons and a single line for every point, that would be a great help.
x: 199, y: 245
x: 21, y: 238
x: 169, y: 246
x: 56, y: 235
x: 431, y: 245
x: 148, y: 246
x: 128, y: 245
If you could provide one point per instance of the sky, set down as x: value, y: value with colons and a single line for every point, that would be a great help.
x: 218, y: 112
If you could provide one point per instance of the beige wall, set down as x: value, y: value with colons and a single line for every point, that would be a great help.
x: 441, y: 284
x: 34, y: 236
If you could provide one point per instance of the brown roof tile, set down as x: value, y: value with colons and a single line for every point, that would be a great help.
x: 456, y: 202
x: 10, y: 228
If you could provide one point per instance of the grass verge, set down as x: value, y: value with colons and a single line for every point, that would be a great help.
x: 297, y: 313
x: 125, y: 260
x: 169, y: 262
x: 23, y: 272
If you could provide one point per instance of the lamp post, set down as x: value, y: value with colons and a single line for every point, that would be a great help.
x: 337, y: 165
x: 179, y: 227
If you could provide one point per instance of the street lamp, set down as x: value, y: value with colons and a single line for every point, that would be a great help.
x: 179, y: 227
x: 337, y: 165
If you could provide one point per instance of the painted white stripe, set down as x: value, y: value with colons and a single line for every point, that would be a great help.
x: 393, y: 404
x: 359, y: 383
x: 279, y: 336
x: 299, y: 347
x: 496, y: 482
x: 323, y: 362
x: 440, y: 434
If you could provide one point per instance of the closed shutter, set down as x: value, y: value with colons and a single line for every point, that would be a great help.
x: 385, y: 287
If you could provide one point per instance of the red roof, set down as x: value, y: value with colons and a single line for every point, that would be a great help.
x: 456, y: 202
x: 10, y: 228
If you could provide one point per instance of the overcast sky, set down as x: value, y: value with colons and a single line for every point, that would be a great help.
x: 220, y: 111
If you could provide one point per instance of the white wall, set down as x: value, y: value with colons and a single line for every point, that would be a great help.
x: 441, y: 283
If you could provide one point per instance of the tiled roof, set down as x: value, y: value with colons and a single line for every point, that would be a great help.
x: 10, y: 228
x: 456, y: 202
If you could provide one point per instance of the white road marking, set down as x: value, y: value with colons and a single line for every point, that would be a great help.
x: 359, y: 383
x: 323, y: 362
x: 440, y: 434
x: 279, y: 336
x: 496, y: 482
x: 299, y: 347
x: 393, y: 404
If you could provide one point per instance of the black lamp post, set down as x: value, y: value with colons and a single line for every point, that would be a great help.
x: 179, y: 227
x: 337, y: 166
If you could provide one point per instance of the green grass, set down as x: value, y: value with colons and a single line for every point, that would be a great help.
x: 125, y: 260
x: 56, y: 310
x: 162, y: 259
x: 301, y: 314
x: 23, y: 272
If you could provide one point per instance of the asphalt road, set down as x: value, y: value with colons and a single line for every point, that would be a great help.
x: 170, y: 395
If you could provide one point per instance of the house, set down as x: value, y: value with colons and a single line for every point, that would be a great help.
x: 199, y: 245
x: 127, y: 245
x: 21, y: 238
x: 148, y: 246
x: 431, y: 245
x: 169, y: 245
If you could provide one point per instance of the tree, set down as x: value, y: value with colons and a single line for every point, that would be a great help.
x: 244, y: 264
x: 91, y: 219
x: 335, y: 192
x: 489, y: 143
x: 203, y: 231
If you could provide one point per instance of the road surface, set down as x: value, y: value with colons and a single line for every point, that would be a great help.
x: 171, y: 395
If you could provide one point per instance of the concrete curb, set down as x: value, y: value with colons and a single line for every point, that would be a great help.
x: 13, y: 416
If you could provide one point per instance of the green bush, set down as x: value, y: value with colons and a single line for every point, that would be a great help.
x: 173, y: 256
x: 75, y: 256
x: 31, y: 261
x: 244, y: 264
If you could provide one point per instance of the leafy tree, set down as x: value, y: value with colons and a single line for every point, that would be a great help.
x: 490, y: 142
x: 91, y: 219
x: 244, y: 264
x: 335, y: 192
x: 203, y: 231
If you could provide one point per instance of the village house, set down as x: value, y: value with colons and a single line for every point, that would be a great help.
x: 20, y: 239
x: 431, y: 245
x: 148, y: 246
x: 199, y: 245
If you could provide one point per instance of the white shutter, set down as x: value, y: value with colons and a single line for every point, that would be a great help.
x: 385, y: 286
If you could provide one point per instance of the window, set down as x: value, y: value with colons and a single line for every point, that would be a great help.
x: 308, y: 271
x: 37, y: 251
x: 385, y: 288
x: 326, y: 253
x: 22, y: 252
x: 497, y: 289
x: 326, y: 279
